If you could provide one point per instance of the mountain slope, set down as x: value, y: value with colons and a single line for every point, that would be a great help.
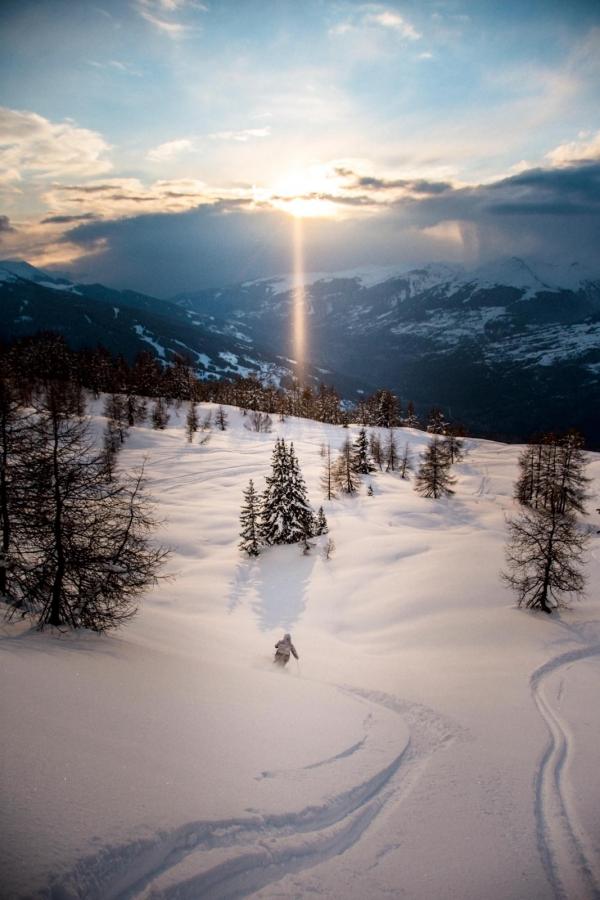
x: 126, y: 322
x: 432, y: 741
x: 506, y: 348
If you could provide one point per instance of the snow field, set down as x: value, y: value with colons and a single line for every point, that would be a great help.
x: 432, y: 740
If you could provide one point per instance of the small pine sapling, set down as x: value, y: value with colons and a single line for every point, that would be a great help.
x: 192, y: 421
x: 329, y: 548
x: 221, y: 418
x: 321, y: 526
x: 250, y: 522
x: 361, y: 463
x: 160, y: 414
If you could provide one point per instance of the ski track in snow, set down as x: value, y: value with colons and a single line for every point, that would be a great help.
x: 236, y: 857
x: 563, y: 845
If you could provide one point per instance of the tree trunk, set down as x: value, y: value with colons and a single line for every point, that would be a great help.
x: 546, y: 583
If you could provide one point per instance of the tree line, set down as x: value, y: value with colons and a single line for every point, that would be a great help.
x: 46, y: 356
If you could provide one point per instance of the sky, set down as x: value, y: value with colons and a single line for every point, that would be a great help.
x: 169, y: 145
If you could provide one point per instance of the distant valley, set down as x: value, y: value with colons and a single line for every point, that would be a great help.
x: 508, y: 349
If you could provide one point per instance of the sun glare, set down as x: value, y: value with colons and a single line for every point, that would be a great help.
x: 308, y: 208
x: 304, y: 195
x: 299, y: 299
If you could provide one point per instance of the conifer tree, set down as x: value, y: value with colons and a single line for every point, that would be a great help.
x: 321, y: 526
x: 136, y: 410
x: 571, y: 481
x: 192, y: 422
x: 328, y: 478
x: 391, y: 452
x: 453, y: 447
x: 274, y: 524
x: 250, y: 521
x: 405, y: 464
x: 301, y: 516
x: 115, y: 410
x: 436, y: 423
x: 346, y: 478
x: 160, y: 414
x: 552, y: 473
x: 376, y: 450
x: 13, y: 499
x: 221, y: 418
x: 85, y: 539
x: 286, y: 513
x: 361, y: 463
x: 433, y: 478
x: 111, y: 447
x: 544, y: 554
x: 411, y: 420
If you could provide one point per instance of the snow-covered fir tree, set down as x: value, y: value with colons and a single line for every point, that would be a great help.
x: 387, y: 409
x: 411, y: 420
x: 286, y: 515
x: 250, y: 521
x: 361, y: 462
x: 321, y: 526
x: 436, y: 422
x: 302, y: 518
x: 433, y: 478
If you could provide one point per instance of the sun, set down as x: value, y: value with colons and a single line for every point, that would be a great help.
x: 307, y: 207
x: 304, y: 195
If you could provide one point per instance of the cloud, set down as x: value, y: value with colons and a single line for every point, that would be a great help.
x: 389, y: 18
x: 552, y: 213
x: 67, y: 220
x: 245, y: 135
x: 169, y: 150
x: 586, y: 148
x: 377, y: 16
x: 31, y: 144
x: 117, y: 65
x: 116, y: 197
x: 160, y: 14
x: 406, y: 185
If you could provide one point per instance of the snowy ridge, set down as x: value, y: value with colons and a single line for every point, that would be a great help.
x: 526, y: 274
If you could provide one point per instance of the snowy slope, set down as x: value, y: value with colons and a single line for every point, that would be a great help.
x: 433, y: 741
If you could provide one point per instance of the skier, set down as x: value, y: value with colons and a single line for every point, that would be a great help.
x: 283, y: 648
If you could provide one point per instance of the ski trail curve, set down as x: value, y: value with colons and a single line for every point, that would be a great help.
x: 561, y: 841
x: 233, y: 858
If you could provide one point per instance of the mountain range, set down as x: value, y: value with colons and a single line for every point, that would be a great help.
x: 509, y: 348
